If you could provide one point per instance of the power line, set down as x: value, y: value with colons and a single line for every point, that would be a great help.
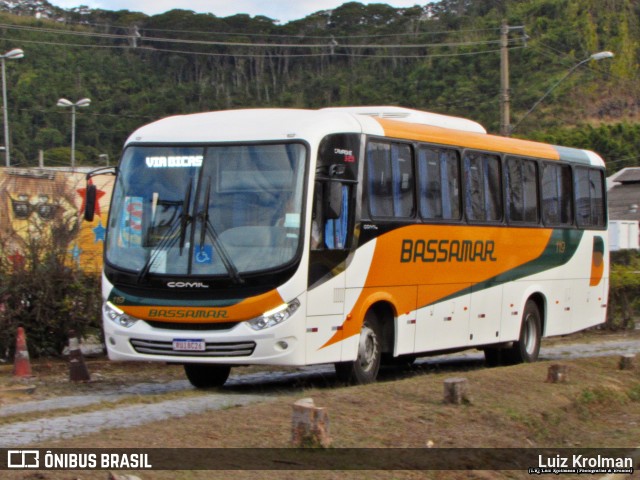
x: 61, y: 44
x: 328, y: 36
x: 253, y: 55
x: 332, y: 44
x: 317, y: 45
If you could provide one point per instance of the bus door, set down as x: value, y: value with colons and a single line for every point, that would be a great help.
x: 330, y: 243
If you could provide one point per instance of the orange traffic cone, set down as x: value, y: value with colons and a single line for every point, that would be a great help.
x: 78, y: 371
x: 21, y: 365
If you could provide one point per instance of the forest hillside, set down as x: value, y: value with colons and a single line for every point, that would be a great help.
x: 441, y: 56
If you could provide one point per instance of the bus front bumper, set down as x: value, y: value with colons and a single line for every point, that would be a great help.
x: 237, y: 345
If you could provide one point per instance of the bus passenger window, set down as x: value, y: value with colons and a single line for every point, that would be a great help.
x: 439, y: 180
x: 598, y: 206
x: 483, y: 187
x: 556, y: 194
x: 522, y: 190
x: 589, y: 197
x: 390, y: 180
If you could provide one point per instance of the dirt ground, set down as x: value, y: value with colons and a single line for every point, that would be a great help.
x: 509, y: 407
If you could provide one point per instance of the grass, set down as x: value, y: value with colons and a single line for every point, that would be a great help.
x: 511, y: 407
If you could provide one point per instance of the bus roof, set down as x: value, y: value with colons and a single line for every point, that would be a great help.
x: 312, y: 125
x: 414, y: 116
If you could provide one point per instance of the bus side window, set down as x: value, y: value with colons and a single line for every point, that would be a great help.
x: 556, y: 194
x: 589, y: 197
x: 329, y: 233
x: 335, y: 229
x: 483, y: 188
x: 390, y: 180
x: 522, y: 190
x: 439, y: 180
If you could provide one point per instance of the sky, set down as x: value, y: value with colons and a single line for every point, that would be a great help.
x: 282, y: 10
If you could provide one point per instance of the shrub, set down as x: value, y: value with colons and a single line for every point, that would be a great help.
x: 624, y: 289
x: 44, y: 290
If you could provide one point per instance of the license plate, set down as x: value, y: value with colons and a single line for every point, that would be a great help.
x: 188, y: 345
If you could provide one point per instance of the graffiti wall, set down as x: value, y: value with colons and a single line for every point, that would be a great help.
x: 45, y: 207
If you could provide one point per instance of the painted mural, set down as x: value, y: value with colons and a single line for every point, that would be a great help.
x: 46, y: 206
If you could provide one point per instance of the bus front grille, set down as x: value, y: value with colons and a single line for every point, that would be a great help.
x: 227, y: 349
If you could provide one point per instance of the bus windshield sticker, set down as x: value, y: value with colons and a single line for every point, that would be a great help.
x: 131, y: 223
x: 292, y: 220
x: 203, y: 255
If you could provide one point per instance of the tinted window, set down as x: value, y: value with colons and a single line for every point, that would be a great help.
x: 556, y: 194
x: 439, y: 180
x: 390, y: 179
x: 589, y: 187
x: 483, y: 188
x: 522, y: 190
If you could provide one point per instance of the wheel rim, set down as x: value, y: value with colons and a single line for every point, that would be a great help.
x: 368, y: 349
x: 530, y: 334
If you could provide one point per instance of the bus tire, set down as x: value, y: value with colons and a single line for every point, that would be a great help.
x: 202, y: 375
x: 367, y: 364
x: 527, y: 348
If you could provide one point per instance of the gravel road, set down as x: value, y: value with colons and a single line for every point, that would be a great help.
x: 239, y: 390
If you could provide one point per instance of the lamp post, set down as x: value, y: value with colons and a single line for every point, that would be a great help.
x: 14, y: 54
x: 595, y: 56
x: 83, y: 102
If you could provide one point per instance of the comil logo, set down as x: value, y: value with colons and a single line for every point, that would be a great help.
x: 23, y: 459
x: 187, y: 285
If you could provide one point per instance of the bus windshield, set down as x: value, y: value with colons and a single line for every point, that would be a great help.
x: 212, y: 210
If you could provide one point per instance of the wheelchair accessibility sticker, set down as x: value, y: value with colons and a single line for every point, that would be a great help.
x: 203, y: 255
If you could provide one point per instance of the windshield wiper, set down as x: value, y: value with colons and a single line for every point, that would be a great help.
x: 207, y: 227
x: 185, y: 219
x: 169, y: 239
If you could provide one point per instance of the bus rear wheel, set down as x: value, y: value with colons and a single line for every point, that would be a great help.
x: 366, y: 366
x: 527, y: 348
x: 202, y: 375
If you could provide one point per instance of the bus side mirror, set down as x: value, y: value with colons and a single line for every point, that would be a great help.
x: 333, y: 200
x: 90, y: 203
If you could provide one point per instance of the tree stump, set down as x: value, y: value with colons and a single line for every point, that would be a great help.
x: 310, y: 425
x: 456, y: 391
x: 78, y: 371
x: 627, y: 362
x: 558, y: 373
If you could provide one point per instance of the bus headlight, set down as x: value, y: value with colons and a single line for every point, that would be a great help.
x: 116, y: 315
x: 275, y: 316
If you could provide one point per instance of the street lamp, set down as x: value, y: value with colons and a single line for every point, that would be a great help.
x: 14, y: 54
x: 595, y: 56
x: 83, y: 102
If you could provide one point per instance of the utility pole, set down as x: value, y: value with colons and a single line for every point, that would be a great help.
x: 505, y: 123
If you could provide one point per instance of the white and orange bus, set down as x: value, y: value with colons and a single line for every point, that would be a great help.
x: 352, y: 236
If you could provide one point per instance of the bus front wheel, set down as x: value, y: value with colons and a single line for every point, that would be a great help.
x: 202, y: 375
x: 367, y: 364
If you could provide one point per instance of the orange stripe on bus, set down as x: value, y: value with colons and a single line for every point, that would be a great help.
x: 480, y: 141
x: 437, y: 259
x: 247, y: 309
x: 597, y: 269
